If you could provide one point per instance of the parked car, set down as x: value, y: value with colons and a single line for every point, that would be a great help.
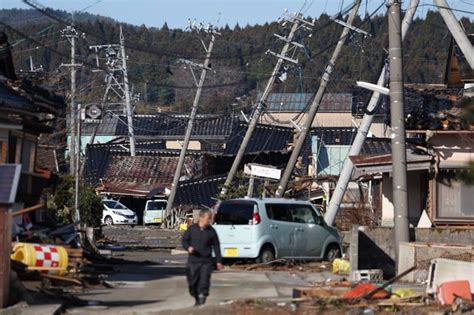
x: 266, y: 229
x: 154, y: 212
x: 116, y: 213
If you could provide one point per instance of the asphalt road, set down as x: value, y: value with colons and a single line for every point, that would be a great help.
x: 159, y: 285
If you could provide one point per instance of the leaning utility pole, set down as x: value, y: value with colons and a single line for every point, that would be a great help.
x: 128, y: 105
x: 298, y: 22
x: 397, y: 121
x: 205, y: 67
x: 316, y: 102
x: 456, y: 30
x: 75, y: 143
x: 363, y: 129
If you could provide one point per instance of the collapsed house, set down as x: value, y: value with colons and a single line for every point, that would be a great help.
x: 214, y: 143
x: 27, y: 111
x: 439, y: 150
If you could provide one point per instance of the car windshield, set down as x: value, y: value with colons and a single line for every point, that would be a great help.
x: 156, y: 205
x: 115, y: 205
x: 235, y: 213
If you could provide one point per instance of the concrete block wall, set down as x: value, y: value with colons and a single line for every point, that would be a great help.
x: 420, y: 254
x: 373, y: 248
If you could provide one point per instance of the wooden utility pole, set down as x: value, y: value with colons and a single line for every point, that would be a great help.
x: 205, y: 67
x: 316, y: 102
x: 297, y: 22
x: 397, y: 121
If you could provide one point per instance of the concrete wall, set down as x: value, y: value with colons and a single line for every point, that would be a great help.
x: 417, y: 187
x: 373, y: 248
x: 420, y: 254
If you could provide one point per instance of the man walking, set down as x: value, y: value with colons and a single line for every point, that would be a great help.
x: 199, y: 240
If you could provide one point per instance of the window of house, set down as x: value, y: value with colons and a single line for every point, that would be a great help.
x: 454, y: 198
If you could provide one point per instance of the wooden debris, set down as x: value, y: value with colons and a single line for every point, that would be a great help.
x: 63, y: 280
x: 389, y: 282
x: 276, y: 261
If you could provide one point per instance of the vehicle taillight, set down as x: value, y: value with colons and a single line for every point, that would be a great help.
x: 256, y: 218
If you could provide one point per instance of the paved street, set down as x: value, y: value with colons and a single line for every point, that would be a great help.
x: 150, y: 289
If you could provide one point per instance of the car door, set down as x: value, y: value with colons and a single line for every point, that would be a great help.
x: 315, y: 233
x: 281, y: 229
x: 300, y: 230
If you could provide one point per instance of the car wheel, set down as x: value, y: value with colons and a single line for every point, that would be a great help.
x: 267, y: 254
x: 332, y: 252
x: 108, y: 220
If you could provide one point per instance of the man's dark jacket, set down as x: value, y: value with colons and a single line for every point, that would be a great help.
x: 203, y: 240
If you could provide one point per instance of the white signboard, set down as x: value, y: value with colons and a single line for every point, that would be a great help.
x: 264, y: 171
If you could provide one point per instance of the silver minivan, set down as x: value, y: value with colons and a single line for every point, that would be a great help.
x: 270, y: 228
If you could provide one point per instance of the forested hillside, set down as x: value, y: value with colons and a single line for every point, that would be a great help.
x: 240, y: 64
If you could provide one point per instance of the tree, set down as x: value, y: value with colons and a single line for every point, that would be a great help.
x: 61, y: 202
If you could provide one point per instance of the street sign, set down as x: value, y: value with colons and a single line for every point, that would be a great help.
x: 265, y: 171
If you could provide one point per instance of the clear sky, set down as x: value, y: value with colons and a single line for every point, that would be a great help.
x: 177, y: 12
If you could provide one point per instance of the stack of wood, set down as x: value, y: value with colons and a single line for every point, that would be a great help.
x: 75, y: 259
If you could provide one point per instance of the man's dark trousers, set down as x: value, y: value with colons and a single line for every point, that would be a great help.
x: 198, y: 275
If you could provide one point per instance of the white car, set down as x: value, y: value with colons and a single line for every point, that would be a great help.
x: 154, y: 212
x: 116, y: 213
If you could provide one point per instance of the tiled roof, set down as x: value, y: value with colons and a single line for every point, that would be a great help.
x: 265, y: 138
x: 296, y: 102
x: 199, y: 192
x: 218, y: 135
x: 139, y: 174
x: 24, y: 96
x: 169, y: 126
x: 107, y: 126
x: 383, y: 146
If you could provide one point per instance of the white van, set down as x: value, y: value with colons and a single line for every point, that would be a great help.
x: 154, y: 212
x: 270, y: 228
x: 116, y: 213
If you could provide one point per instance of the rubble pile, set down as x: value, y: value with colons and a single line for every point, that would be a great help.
x: 429, y: 110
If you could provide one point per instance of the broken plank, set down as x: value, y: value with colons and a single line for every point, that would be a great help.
x: 62, y: 279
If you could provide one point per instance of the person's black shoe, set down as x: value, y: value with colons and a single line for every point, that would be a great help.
x: 197, y: 301
x: 201, y: 300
